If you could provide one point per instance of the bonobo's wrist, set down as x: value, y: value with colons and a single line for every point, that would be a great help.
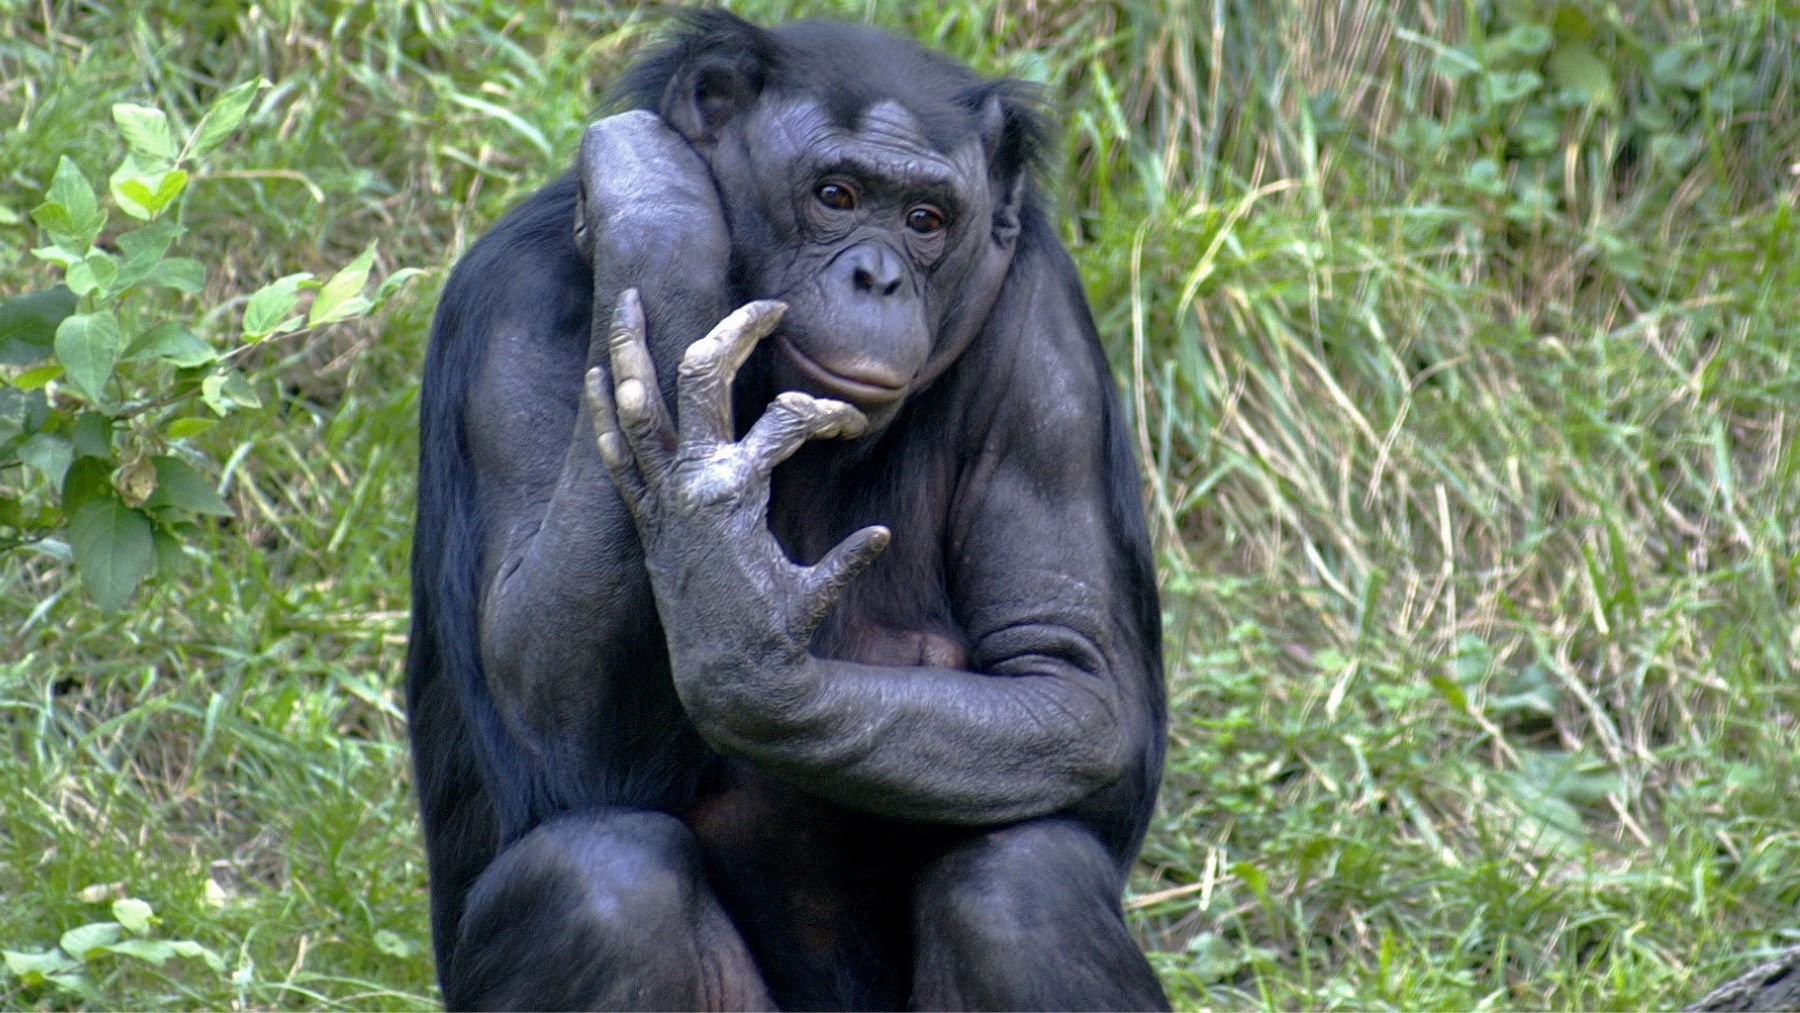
x: 740, y: 697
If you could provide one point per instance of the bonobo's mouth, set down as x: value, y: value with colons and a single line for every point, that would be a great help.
x: 866, y: 389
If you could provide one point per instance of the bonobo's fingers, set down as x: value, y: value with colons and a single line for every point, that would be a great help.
x: 615, y: 453
x: 793, y: 419
x: 822, y: 583
x: 637, y: 399
x: 708, y: 366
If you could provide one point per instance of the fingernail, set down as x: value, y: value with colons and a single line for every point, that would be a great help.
x: 630, y: 398
x: 612, y: 449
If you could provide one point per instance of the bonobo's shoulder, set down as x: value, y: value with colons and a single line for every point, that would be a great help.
x: 531, y: 246
x: 527, y: 267
x: 1051, y: 348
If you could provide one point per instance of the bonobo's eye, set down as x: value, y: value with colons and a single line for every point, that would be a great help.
x: 836, y: 196
x: 925, y: 220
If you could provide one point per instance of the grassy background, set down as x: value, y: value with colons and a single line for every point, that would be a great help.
x: 1461, y: 342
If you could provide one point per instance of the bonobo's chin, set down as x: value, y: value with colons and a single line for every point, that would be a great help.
x: 876, y: 392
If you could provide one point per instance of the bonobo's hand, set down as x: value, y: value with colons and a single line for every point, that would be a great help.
x: 737, y: 612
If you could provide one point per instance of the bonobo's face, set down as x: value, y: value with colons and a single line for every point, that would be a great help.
x: 867, y: 233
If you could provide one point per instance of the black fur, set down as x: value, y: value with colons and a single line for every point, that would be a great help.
x: 788, y: 897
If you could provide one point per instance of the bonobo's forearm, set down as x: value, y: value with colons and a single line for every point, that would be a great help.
x: 560, y: 589
x: 566, y: 570
x: 1034, y: 734
x: 1050, y: 716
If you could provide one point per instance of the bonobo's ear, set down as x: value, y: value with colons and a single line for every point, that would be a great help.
x: 717, y: 66
x: 1014, y: 136
x: 710, y: 69
x: 709, y: 91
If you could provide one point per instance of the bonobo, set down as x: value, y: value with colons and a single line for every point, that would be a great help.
x: 785, y: 632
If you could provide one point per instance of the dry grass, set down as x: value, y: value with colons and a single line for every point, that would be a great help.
x: 1466, y: 376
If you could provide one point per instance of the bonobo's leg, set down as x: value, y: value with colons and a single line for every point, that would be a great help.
x: 605, y: 910
x: 1027, y: 917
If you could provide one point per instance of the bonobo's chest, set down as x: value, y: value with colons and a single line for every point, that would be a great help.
x: 901, y: 610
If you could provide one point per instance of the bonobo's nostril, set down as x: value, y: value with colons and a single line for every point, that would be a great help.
x: 875, y: 271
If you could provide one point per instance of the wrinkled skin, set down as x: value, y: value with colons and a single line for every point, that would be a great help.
x: 784, y: 628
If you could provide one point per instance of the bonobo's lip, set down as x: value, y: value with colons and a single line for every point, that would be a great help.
x: 856, y: 390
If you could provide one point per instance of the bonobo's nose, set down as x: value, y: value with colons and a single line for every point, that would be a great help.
x: 874, y: 270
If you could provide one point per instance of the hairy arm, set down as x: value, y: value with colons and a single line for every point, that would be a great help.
x: 565, y: 602
x: 1060, y: 697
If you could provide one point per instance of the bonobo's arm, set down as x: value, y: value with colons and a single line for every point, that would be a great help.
x: 564, y: 596
x: 1058, y: 706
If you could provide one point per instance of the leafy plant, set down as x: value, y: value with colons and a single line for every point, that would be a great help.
x: 106, y: 382
x: 68, y: 966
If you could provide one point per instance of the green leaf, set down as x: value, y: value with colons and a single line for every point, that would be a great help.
x: 93, y: 436
x: 271, y: 308
x: 1681, y: 67
x: 342, y: 297
x: 173, y: 343
x: 1525, y: 40
x: 1505, y: 88
x: 151, y: 951
x: 146, y: 130
x: 1450, y: 691
x: 182, y: 273
x: 391, y: 284
x: 34, y: 378
x: 95, y: 273
x: 145, y: 196
x: 180, y: 487
x: 238, y: 389
x: 49, y: 454
x: 181, y: 429
x: 88, y: 479
x: 1473, y: 661
x: 88, y: 346
x: 224, y: 392
x: 134, y: 914
x: 76, y: 983
x: 114, y: 551
x: 1577, y: 68
x: 169, y: 550
x: 144, y: 249
x: 34, y: 968
x: 1530, y: 691
x: 28, y: 324
x: 1537, y: 131
x: 21, y: 412
x: 1483, y: 175
x: 1254, y: 878
x: 1673, y: 153
x: 1545, y: 822
x: 226, y: 112
x: 190, y: 949
x: 1455, y: 62
x: 59, y: 255
x: 74, y: 213
x: 78, y: 941
x: 393, y: 945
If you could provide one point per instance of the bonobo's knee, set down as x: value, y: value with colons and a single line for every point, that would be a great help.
x: 1028, y: 917
x: 554, y: 918
x: 1021, y: 882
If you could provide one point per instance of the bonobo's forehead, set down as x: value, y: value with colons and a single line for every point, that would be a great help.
x: 852, y: 68
x: 885, y: 141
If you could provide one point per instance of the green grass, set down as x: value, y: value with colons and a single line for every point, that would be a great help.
x: 1462, y: 345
